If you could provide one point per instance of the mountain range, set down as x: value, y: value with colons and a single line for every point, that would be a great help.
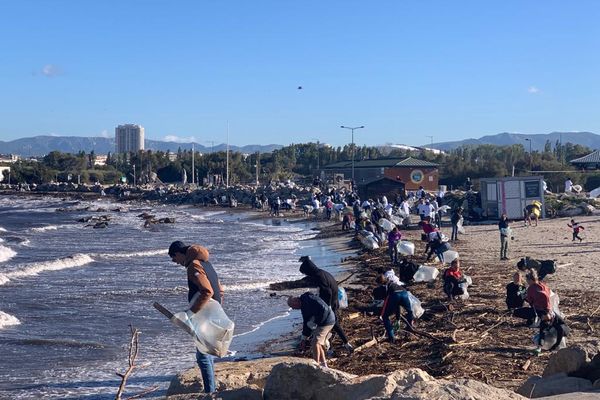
x: 538, y: 141
x: 42, y: 145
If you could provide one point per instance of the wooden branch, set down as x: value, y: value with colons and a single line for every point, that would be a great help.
x: 370, y: 343
x: 133, y: 352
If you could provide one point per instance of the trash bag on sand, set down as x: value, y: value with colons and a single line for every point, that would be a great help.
x: 406, y: 248
x: 549, y: 340
x: 448, y: 256
x: 426, y: 273
x: 415, y: 305
x: 213, y: 330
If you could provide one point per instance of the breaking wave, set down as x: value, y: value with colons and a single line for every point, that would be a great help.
x: 246, y: 286
x: 48, y: 228
x: 76, y: 260
x: 135, y: 254
x: 6, y: 253
x: 8, y: 320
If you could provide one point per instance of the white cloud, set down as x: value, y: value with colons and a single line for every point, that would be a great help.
x: 533, y: 90
x: 51, y: 70
x: 178, y: 139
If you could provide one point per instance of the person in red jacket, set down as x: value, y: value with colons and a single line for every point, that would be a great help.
x: 538, y: 297
x: 453, y: 277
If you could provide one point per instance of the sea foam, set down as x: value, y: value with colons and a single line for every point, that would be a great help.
x: 6, y: 253
x: 8, y: 320
x: 76, y: 260
x: 134, y: 254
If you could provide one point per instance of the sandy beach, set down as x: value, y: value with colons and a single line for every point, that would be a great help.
x: 477, y: 338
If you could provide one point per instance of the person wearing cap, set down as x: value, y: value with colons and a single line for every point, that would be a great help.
x: 203, y: 285
x: 328, y: 292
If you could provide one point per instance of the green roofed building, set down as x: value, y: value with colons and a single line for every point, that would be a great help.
x: 591, y: 161
x: 411, y: 172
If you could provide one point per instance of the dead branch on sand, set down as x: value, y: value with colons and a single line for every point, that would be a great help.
x: 133, y: 353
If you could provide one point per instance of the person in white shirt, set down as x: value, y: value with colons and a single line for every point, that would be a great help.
x: 568, y: 185
x: 405, y: 207
x: 423, y: 209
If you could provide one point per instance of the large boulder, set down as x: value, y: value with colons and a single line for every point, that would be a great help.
x: 373, y: 386
x: 537, y: 386
x: 289, y: 381
x: 460, y: 389
x: 566, y: 360
x: 230, y: 375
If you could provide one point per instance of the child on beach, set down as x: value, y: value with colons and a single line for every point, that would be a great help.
x: 576, y: 228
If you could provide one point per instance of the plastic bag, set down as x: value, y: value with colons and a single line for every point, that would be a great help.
x: 448, y: 256
x: 406, y: 248
x: 463, y: 286
x: 342, y: 297
x: 426, y: 273
x: 415, y: 305
x: 554, y: 302
x: 385, y: 224
x: 460, y: 227
x: 213, y: 330
x: 549, y: 340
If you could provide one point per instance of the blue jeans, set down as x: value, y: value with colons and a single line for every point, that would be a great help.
x: 207, y: 369
x: 394, y: 301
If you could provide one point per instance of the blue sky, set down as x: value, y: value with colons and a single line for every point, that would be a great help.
x: 404, y: 69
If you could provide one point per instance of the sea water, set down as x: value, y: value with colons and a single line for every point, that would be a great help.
x: 69, y: 293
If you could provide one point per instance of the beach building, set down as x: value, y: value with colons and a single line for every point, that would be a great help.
x: 411, y: 172
x: 591, y: 161
x: 511, y: 195
x: 129, y: 138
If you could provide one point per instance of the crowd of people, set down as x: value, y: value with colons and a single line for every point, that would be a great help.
x: 528, y: 297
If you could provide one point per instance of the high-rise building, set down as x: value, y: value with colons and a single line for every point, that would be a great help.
x: 129, y: 138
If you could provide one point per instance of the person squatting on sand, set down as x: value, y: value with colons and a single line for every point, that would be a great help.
x: 317, y: 321
x: 453, y: 277
x: 515, y: 292
x: 328, y: 292
x: 203, y: 284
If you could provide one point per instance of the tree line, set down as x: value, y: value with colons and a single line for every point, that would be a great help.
x: 301, y: 161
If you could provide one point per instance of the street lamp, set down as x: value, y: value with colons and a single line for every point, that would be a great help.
x: 352, y: 129
x: 530, y: 156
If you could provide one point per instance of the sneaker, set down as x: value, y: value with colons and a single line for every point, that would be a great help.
x: 349, y: 347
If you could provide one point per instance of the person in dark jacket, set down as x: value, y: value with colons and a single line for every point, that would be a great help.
x: 396, y: 296
x: 516, y: 292
x: 455, y: 219
x: 504, y: 236
x: 203, y: 285
x: 328, y: 291
x: 317, y: 320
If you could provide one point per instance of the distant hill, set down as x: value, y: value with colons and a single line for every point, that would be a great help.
x: 538, y: 141
x: 42, y: 145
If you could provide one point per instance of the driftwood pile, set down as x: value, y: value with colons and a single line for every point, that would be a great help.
x: 476, y: 338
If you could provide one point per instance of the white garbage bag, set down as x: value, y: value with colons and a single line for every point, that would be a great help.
x: 213, y: 330
x: 426, y: 273
x: 415, y: 305
x: 549, y: 340
x: 386, y: 225
x: 406, y: 248
x: 448, y: 256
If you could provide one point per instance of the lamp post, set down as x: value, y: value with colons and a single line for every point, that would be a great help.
x: 352, y: 129
x: 530, y: 156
